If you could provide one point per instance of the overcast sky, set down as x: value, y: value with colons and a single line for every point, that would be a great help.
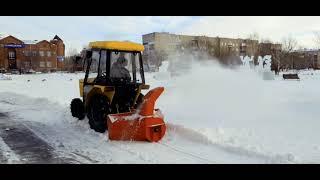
x: 77, y: 31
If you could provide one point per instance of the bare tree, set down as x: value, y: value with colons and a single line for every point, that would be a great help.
x: 253, y: 36
x: 72, y: 51
x: 265, y: 40
x: 71, y: 62
x: 289, y: 44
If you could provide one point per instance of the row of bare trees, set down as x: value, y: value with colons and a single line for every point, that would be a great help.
x: 72, y: 62
x: 286, y: 58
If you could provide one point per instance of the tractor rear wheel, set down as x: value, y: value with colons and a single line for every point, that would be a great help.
x: 77, y: 108
x: 98, y: 110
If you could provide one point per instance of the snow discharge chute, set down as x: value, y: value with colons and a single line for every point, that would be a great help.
x: 145, y: 123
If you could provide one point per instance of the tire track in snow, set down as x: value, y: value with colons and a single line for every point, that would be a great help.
x: 233, y: 151
x: 188, y: 153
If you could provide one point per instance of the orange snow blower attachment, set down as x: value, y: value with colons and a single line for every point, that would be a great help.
x: 143, y: 124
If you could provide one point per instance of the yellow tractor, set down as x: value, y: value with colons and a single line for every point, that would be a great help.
x: 111, y: 93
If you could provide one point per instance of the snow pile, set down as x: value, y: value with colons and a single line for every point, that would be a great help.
x: 57, y: 87
x: 4, y: 77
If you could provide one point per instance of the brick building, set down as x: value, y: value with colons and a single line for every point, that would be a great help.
x: 16, y: 54
x: 300, y: 59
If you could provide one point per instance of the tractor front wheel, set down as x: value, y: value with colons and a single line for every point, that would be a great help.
x: 77, y: 108
x: 98, y: 110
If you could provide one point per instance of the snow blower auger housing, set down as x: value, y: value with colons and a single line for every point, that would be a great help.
x: 111, y: 93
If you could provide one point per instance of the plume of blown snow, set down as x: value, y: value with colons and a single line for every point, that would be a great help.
x: 236, y: 105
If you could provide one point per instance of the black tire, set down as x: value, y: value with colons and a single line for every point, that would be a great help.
x: 77, y: 108
x: 139, y: 100
x: 98, y: 110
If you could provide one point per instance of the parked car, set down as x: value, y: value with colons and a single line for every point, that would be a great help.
x: 15, y: 71
x: 2, y: 70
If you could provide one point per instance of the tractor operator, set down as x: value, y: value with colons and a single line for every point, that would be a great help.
x: 119, y: 70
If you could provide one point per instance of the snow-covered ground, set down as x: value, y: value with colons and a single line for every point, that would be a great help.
x: 214, y: 115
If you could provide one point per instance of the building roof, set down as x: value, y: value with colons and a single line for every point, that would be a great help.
x: 4, y: 36
x: 56, y: 37
x: 8, y: 36
x: 117, y: 45
x: 30, y: 41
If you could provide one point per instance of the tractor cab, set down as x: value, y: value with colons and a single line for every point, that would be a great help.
x: 114, y: 63
x: 118, y: 67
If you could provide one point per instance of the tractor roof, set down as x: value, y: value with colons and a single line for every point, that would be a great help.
x: 117, y: 45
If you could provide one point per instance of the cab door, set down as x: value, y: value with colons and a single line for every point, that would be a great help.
x: 91, y: 72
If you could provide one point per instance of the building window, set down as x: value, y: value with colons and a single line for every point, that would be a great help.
x: 49, y: 53
x: 41, y: 53
x: 34, y: 53
x: 26, y: 53
x: 12, y: 55
x: 42, y: 64
x: 49, y: 64
x: 151, y: 47
x: 26, y: 64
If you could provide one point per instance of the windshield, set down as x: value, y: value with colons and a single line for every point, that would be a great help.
x: 125, y: 66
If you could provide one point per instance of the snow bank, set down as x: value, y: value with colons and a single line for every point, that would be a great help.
x: 57, y: 87
x: 5, y: 77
